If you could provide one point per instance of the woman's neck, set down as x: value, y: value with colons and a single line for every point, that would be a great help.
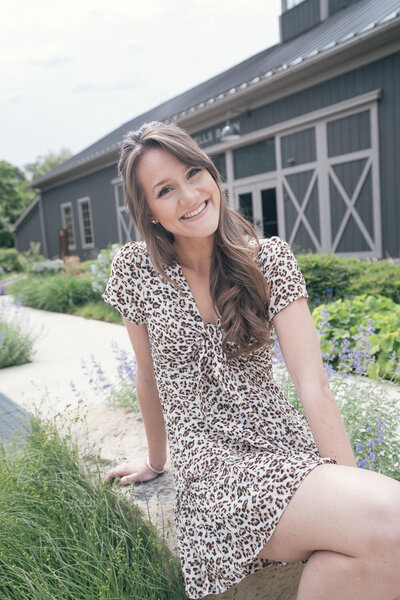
x: 195, y: 254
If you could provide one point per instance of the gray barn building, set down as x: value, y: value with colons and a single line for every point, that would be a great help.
x: 315, y: 158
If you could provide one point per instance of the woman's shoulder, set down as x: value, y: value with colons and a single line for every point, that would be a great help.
x: 273, y: 247
x: 132, y: 256
x: 132, y: 251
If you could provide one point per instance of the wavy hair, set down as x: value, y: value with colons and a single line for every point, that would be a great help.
x: 238, y: 288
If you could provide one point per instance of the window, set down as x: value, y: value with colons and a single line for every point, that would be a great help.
x: 67, y: 220
x: 86, y: 223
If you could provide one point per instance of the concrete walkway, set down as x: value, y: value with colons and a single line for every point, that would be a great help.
x: 44, y: 385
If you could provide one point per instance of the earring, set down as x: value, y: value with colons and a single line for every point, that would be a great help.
x: 154, y: 221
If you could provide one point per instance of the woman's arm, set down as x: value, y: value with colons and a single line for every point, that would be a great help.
x: 151, y: 410
x: 301, y: 351
x: 147, y: 393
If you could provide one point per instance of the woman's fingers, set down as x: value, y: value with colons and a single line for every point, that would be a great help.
x: 127, y: 479
x: 119, y: 471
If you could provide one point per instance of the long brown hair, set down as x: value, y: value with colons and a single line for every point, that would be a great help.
x: 238, y: 288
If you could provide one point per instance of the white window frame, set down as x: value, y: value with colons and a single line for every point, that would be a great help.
x: 80, y: 201
x: 64, y: 223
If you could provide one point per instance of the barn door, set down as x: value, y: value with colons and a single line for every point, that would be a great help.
x: 300, y: 190
x: 353, y: 172
x: 126, y: 228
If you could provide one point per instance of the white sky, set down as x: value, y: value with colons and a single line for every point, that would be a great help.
x: 72, y: 71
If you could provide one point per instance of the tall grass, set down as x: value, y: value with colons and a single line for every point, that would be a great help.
x: 64, y: 535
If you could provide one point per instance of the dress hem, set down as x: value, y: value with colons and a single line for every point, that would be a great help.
x: 270, y: 563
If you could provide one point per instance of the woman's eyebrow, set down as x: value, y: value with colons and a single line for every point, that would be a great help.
x: 159, y: 183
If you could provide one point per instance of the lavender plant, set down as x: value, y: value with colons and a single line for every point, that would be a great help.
x: 370, y: 408
x: 122, y: 392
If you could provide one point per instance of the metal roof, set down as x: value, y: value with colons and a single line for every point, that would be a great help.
x: 342, y: 28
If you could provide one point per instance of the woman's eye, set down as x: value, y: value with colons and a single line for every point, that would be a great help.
x: 194, y: 171
x: 163, y: 191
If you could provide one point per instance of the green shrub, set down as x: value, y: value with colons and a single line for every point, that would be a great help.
x: 57, y: 293
x: 11, y: 260
x: 101, y: 311
x: 15, y: 345
x: 65, y: 535
x: 330, y: 276
x: 350, y: 327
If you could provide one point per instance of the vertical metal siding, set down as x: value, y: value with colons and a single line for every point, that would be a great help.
x: 101, y: 192
x: 254, y: 158
x: 349, y: 134
x: 299, y: 18
x: 299, y: 146
x: 29, y: 231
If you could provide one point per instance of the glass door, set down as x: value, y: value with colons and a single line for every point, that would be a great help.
x: 257, y: 204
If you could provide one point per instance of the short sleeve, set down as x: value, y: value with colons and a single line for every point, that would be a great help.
x: 124, y: 289
x: 280, y: 267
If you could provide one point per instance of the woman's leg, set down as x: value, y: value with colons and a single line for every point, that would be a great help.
x: 346, y: 522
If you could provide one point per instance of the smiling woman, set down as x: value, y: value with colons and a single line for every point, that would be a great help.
x: 256, y: 482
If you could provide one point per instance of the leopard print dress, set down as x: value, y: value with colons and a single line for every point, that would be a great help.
x: 238, y: 448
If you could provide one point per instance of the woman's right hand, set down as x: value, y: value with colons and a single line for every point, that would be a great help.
x: 135, y: 470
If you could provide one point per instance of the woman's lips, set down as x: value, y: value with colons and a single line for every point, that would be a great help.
x: 200, y: 210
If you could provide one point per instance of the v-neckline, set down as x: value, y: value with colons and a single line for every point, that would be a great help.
x: 193, y: 301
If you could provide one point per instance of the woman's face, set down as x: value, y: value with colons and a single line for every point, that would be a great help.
x: 184, y: 199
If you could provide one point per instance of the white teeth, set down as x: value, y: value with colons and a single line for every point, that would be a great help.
x: 195, y: 212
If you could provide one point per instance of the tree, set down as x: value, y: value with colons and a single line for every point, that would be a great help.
x: 15, y: 195
x: 44, y: 164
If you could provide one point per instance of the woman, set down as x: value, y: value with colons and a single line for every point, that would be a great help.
x: 256, y: 482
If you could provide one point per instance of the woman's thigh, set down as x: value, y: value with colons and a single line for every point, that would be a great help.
x: 338, y: 508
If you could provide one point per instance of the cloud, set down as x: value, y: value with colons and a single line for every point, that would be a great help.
x: 82, y: 88
x: 54, y: 61
x: 90, y: 87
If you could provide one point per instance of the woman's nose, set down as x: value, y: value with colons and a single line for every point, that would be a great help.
x: 188, y: 194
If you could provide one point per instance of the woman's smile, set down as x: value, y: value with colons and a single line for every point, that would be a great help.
x: 191, y: 216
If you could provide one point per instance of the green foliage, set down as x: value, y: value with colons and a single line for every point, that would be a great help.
x: 347, y: 277
x: 15, y: 196
x: 370, y: 411
x: 101, y: 311
x: 11, y: 260
x: 32, y: 256
x: 101, y: 267
x: 65, y: 535
x: 348, y: 319
x: 44, y: 164
x: 15, y: 344
x: 56, y: 293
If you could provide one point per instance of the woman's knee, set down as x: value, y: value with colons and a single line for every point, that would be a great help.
x: 387, y: 516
